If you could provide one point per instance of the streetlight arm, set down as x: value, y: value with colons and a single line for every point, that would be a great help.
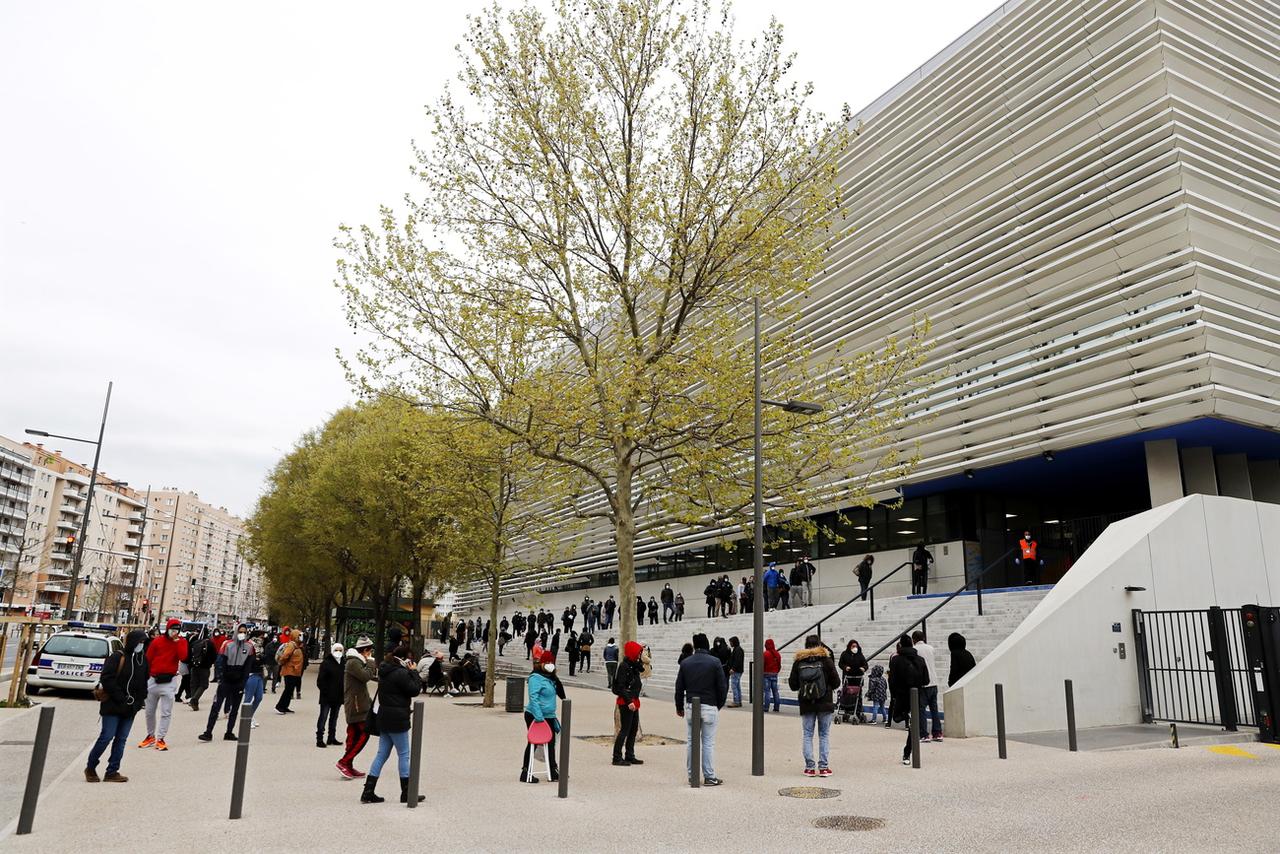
x: 49, y: 435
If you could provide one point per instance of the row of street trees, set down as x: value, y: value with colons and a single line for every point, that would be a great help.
x: 604, y: 195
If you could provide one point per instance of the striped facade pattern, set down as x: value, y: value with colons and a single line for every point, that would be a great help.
x: 1084, y: 200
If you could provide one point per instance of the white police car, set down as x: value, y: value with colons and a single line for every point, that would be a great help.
x: 73, y: 658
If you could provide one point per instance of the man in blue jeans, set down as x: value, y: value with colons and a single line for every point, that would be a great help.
x: 813, y: 678
x: 701, y: 675
x: 929, y: 693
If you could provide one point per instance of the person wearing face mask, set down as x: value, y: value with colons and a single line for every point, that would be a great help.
x: 358, y: 671
x: 398, y: 683
x: 853, y: 664
x: 329, y: 687
x: 163, y: 654
x: 235, y: 656
x: 254, y: 682
x: 124, y: 682
x: 627, y: 685
x: 291, y: 658
x: 541, y: 706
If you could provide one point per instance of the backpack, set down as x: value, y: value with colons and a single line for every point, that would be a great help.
x: 813, y: 681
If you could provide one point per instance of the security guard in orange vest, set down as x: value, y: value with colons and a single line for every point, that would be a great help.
x: 1030, y: 558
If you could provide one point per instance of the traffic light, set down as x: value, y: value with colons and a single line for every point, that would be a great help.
x: 71, y: 539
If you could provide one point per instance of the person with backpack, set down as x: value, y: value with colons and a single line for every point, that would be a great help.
x: 813, y: 678
x: 906, y: 671
x: 290, y: 658
x: 701, y: 675
x: 123, y: 693
x: 330, y: 686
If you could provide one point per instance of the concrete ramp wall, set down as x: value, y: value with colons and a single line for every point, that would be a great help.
x: 1192, y: 553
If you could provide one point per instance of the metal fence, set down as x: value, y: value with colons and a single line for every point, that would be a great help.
x: 1192, y: 667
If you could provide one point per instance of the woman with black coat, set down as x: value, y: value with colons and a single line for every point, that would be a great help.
x: 124, y: 681
x: 907, y: 670
x: 398, y: 683
x: 330, y: 687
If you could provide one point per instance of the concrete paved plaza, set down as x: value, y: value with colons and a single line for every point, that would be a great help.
x: 964, y: 799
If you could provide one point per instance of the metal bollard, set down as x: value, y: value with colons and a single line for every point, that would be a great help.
x: 1173, y: 736
x: 415, y: 753
x: 1004, y: 751
x: 1071, y: 718
x: 35, y: 772
x: 567, y: 713
x: 695, y: 743
x: 914, y: 722
x: 242, y: 760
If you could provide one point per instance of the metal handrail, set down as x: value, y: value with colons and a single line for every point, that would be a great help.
x: 870, y: 590
x: 977, y: 578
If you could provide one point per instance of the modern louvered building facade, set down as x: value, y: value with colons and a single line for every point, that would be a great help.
x: 1084, y: 200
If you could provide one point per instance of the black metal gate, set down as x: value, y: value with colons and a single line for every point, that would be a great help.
x: 1193, y: 667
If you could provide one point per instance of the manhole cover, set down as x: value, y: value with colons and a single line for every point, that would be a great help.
x: 848, y: 822
x: 810, y: 792
x: 646, y: 740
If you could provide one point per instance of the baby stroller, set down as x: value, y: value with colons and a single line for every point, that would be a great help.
x: 849, y: 701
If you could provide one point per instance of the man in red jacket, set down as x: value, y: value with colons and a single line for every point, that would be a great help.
x: 163, y: 654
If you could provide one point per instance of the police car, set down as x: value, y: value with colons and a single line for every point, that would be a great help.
x: 73, y: 658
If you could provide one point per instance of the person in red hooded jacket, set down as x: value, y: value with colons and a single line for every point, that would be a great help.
x: 772, y: 667
x: 626, y: 685
x: 163, y: 654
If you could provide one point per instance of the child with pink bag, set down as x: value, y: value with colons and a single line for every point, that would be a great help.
x: 540, y: 716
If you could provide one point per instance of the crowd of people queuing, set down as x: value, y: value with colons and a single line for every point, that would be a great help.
x: 158, y: 669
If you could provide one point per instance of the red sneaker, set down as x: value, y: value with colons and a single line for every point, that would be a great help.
x: 824, y: 772
x: 809, y: 772
x: 345, y: 770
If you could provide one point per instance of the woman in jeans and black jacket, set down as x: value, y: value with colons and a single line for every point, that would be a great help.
x: 398, y: 683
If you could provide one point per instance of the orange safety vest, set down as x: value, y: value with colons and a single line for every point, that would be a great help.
x: 1028, y: 549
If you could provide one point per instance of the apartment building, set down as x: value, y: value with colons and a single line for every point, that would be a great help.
x: 146, y: 553
x: 195, y: 566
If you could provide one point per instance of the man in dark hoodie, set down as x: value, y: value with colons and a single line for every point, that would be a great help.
x: 124, y: 679
x: 626, y: 686
x: 906, y: 671
x: 961, y: 659
x: 813, y: 678
x: 701, y: 675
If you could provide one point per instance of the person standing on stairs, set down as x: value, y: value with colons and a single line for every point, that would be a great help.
x: 640, y: 609
x: 653, y: 611
x: 679, y: 607
x: 668, y: 604
x: 864, y: 572
x: 737, y: 659
x: 920, y: 560
x: 1029, y: 558
x: 771, y: 576
x: 711, y: 592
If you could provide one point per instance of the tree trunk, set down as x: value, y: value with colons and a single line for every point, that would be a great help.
x: 419, y: 643
x: 491, y: 661
x: 625, y: 539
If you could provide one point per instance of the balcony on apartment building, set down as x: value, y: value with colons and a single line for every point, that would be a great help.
x: 59, y: 555
x: 53, y: 571
x: 14, y: 512
x: 15, y: 493
x: 67, y: 524
x: 9, y: 528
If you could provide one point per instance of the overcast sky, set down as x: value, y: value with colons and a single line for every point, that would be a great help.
x: 172, y: 176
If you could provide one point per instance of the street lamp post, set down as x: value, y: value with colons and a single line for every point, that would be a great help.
x: 88, y: 504
x: 798, y: 407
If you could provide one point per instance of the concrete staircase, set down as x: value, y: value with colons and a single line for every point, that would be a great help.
x: 1003, y: 611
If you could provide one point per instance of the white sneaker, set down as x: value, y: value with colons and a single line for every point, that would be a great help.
x: 253, y: 725
x: 906, y: 762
